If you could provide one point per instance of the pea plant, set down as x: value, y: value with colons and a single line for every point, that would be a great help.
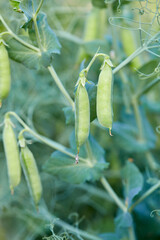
x: 80, y: 119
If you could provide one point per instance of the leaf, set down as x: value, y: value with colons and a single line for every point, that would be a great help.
x: 123, y: 221
x: 99, y: 3
x: 26, y: 7
x: 90, y: 169
x: 22, y: 54
x: 108, y: 236
x: 29, y: 6
x: 48, y: 38
x: 69, y: 115
x: 132, y: 180
x: 15, y: 5
x: 127, y: 134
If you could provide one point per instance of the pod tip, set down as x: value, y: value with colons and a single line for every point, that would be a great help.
x: 77, y: 158
x: 110, y: 133
x: 12, y: 190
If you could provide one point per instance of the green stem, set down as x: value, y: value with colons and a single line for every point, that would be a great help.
x: 60, y: 85
x: 145, y: 195
x: 95, y: 191
x: 34, y: 17
x: 151, y: 161
x: 43, y: 139
x: 39, y: 7
x: 93, y: 59
x: 113, y: 195
x: 69, y: 36
x: 82, y: 233
x: 138, y: 118
x: 17, y: 38
x: 131, y: 233
x: 129, y: 59
x: 51, y: 69
x: 148, y: 87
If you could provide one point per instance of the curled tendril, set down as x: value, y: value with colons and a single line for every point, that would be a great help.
x: 158, y: 129
x: 155, y: 212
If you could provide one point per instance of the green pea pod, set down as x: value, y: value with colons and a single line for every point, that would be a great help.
x: 129, y: 42
x: 95, y: 28
x: 104, y: 96
x: 82, y: 115
x: 31, y: 174
x: 5, y: 76
x: 12, y: 154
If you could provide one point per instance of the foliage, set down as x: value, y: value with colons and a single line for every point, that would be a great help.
x: 111, y: 194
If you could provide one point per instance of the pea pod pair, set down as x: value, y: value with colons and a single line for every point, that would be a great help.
x: 27, y: 160
x: 5, y: 77
x: 104, y: 95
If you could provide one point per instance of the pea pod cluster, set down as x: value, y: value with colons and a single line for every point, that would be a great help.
x: 31, y: 173
x: 5, y: 76
x: 104, y: 95
x: 12, y: 154
x: 82, y: 114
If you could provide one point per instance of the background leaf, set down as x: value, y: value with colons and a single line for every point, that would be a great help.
x: 132, y: 180
x: 90, y: 169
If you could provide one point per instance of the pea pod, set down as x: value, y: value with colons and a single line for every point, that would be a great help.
x: 95, y: 28
x: 5, y: 77
x: 12, y: 154
x: 129, y: 42
x: 31, y: 173
x: 104, y: 96
x: 82, y: 115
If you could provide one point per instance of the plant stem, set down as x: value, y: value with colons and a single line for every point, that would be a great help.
x: 39, y: 7
x: 43, y: 139
x: 138, y: 118
x: 60, y: 85
x: 113, y: 195
x: 131, y: 233
x: 51, y: 69
x: 129, y: 59
x: 145, y: 195
x: 69, y: 36
x: 93, y: 59
x: 17, y: 38
x: 148, y: 87
x: 82, y: 233
x: 34, y: 17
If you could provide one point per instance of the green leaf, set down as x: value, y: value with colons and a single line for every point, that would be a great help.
x: 69, y: 115
x: 15, y: 5
x: 123, y: 221
x: 108, y: 236
x: 99, y: 3
x: 48, y: 38
x: 29, y: 7
x: 127, y: 135
x: 90, y: 169
x: 22, y: 54
x: 133, y: 181
x: 26, y: 7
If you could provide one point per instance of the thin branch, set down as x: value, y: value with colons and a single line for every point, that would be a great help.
x: 60, y: 85
x: 17, y: 38
x: 145, y: 195
x: 113, y: 195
